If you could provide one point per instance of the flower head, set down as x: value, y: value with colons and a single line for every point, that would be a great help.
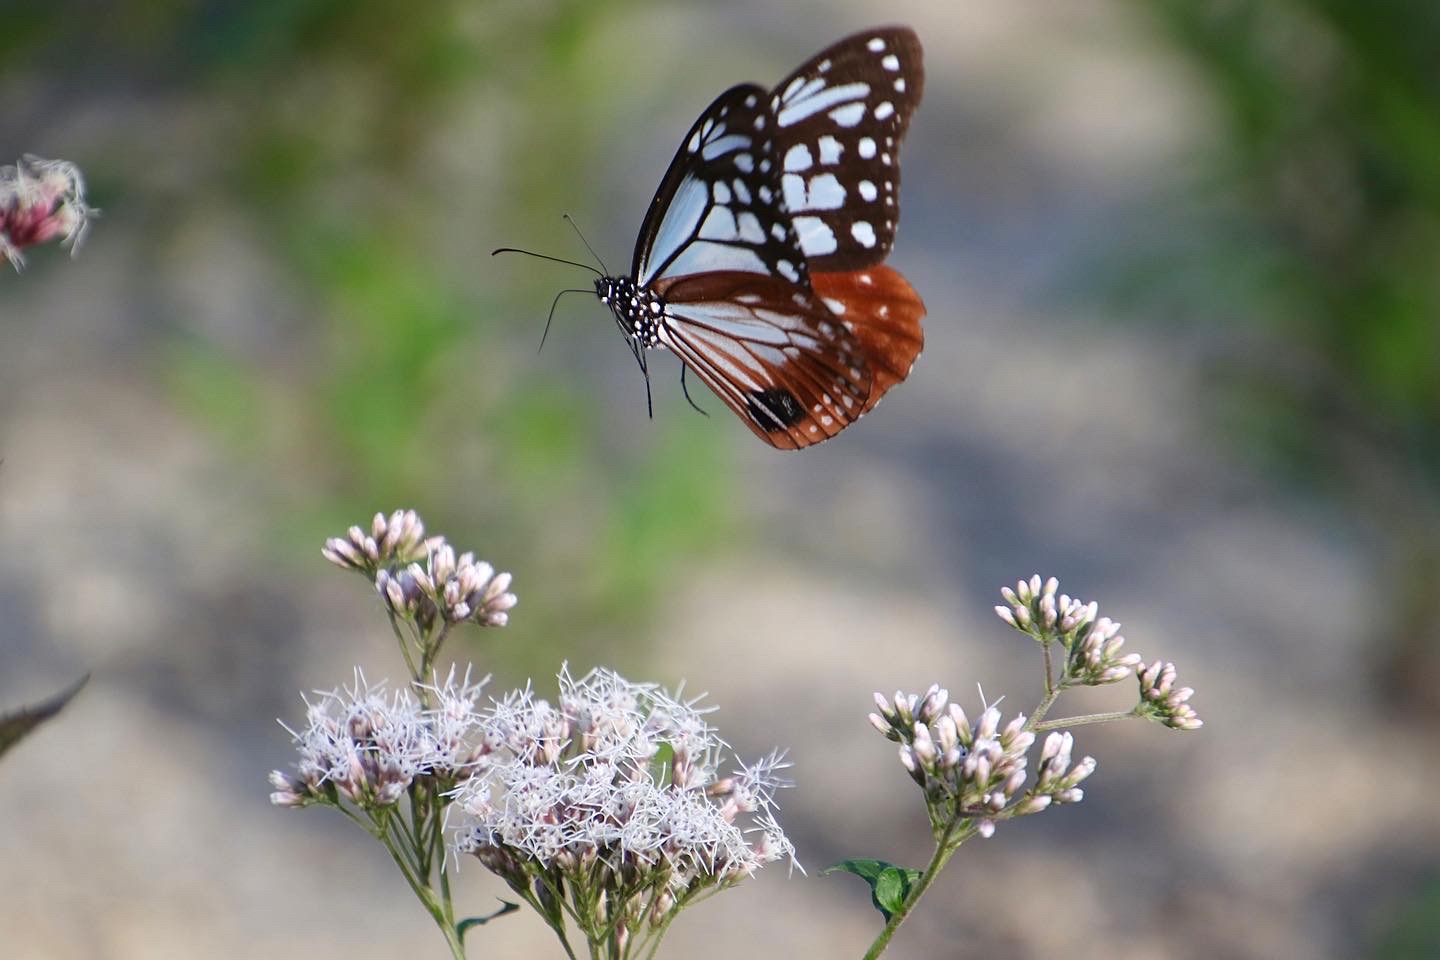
x: 1037, y: 609
x: 367, y: 746
x: 619, y: 789
x: 1161, y: 700
x: 40, y: 201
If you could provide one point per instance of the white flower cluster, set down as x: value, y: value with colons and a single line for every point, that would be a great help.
x: 618, y: 786
x: 1092, y: 645
x: 367, y: 745
x: 40, y: 201
x: 396, y: 539
x: 452, y: 588
x: 976, y: 772
x: 1165, y: 702
x: 456, y: 588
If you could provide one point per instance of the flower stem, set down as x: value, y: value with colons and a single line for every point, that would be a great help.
x: 944, y: 848
x: 427, y: 898
x: 1080, y: 721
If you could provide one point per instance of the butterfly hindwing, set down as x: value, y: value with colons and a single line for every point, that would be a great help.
x: 838, y: 123
x: 880, y: 308
x: 773, y: 352
x: 718, y: 208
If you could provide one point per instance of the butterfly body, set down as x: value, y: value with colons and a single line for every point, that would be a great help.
x: 760, y: 261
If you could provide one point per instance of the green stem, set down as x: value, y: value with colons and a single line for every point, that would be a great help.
x: 427, y: 899
x: 944, y: 848
x: 1082, y: 720
x: 404, y: 644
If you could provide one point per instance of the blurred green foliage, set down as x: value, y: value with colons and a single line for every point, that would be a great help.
x: 1415, y: 933
x: 1304, y: 246
x: 1312, y: 224
x: 326, y: 130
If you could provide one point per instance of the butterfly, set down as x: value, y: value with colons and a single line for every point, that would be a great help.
x: 760, y: 260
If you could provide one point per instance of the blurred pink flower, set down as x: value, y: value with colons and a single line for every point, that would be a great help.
x: 40, y: 201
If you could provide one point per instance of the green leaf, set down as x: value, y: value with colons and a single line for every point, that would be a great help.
x: 662, y: 764
x: 14, y: 726
x: 890, y: 885
x: 464, y: 925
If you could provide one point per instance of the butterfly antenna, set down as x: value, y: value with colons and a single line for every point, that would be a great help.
x: 576, y: 228
x: 553, y: 304
x: 686, y: 390
x: 531, y: 253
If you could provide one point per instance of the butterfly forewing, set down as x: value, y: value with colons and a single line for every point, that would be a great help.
x: 838, y: 122
x: 776, y: 355
x: 718, y: 208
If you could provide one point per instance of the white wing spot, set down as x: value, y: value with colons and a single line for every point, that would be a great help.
x: 824, y: 66
x: 654, y: 306
x: 816, y: 237
x: 750, y: 101
x: 726, y: 144
x: 875, y: 45
x: 900, y: 85
x: 863, y: 233
x: 721, y: 192
x: 830, y: 149
x: 765, y: 194
x: 759, y: 123
x: 884, y: 110
x: 890, y: 62
x: 885, y: 159
x: 827, y: 420
x: 719, y: 225
x: 794, y: 187
x: 867, y: 190
x: 826, y: 193
x: 742, y: 192
x: 744, y: 162
x: 848, y: 400
x: 816, y: 408
x: 798, y: 158
x: 867, y: 147
x: 787, y: 270
x: 764, y: 166
x: 884, y: 310
x: 822, y: 99
x: 790, y: 90
x: 848, y: 115
x: 814, y: 429
x: 837, y: 307
x: 777, y: 230
x: 694, y: 143
x: 750, y: 229
x: 866, y: 278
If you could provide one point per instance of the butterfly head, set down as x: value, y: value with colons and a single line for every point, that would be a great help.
x: 638, y: 311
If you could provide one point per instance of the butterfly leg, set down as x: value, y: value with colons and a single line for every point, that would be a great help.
x: 686, y: 390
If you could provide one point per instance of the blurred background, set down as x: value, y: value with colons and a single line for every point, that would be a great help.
x: 1183, y: 353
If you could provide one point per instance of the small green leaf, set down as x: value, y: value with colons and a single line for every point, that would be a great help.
x: 661, y: 764
x: 889, y: 885
x: 14, y: 726
x: 464, y: 925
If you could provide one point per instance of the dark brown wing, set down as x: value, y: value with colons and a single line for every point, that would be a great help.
x: 837, y: 124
